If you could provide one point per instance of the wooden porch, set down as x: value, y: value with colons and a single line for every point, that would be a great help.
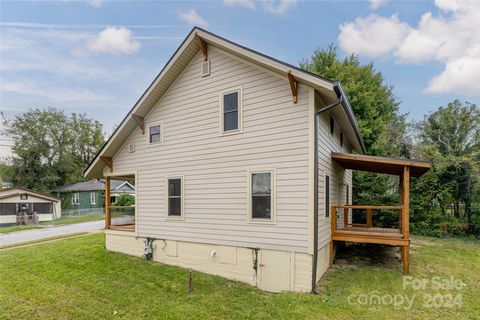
x: 396, y: 234
x: 120, y: 218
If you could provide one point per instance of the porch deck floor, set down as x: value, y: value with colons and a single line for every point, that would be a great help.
x: 390, y: 236
x: 123, y: 227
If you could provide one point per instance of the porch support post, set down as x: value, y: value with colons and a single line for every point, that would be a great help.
x: 405, y: 219
x: 333, y: 226
x: 369, y: 218
x: 406, y: 202
x: 108, y: 217
x: 400, y: 187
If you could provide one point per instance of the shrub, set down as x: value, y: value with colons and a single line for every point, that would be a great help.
x: 125, y: 200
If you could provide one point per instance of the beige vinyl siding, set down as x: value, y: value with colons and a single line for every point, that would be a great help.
x: 214, y: 167
x: 326, y: 145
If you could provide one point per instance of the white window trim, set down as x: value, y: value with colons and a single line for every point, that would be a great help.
x: 94, y: 198
x: 240, y: 111
x: 182, y: 199
x: 273, y: 219
x: 75, y: 198
x: 147, y: 131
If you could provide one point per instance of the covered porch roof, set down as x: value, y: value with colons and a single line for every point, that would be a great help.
x: 380, y: 164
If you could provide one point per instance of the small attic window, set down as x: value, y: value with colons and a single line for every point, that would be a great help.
x: 155, y: 133
x: 24, y: 197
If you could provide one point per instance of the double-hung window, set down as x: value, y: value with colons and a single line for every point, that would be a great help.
x: 75, y: 198
x: 262, y: 196
x: 231, y: 111
x: 175, y: 197
x: 155, y: 134
x: 93, y: 198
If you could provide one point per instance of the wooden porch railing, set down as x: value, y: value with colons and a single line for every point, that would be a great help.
x: 122, y: 217
x: 368, y: 225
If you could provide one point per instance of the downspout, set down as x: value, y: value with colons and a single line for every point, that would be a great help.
x: 315, y: 194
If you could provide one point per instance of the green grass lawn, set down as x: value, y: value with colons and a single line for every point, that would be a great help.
x: 78, y: 279
x: 74, y: 219
x: 60, y: 221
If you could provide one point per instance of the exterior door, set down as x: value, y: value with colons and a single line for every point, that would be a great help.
x: 275, y: 270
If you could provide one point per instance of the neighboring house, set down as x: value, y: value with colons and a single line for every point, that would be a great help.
x: 13, y: 200
x: 231, y: 152
x: 90, y: 194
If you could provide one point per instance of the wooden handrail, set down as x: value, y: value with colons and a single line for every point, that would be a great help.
x: 121, y: 207
x: 368, y: 207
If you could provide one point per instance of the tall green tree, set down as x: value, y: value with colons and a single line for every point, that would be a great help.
x: 453, y: 130
x: 51, y: 148
x: 450, y: 138
x: 372, y: 100
x: 375, y: 106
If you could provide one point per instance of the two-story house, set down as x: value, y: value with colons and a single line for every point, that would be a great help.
x: 231, y: 152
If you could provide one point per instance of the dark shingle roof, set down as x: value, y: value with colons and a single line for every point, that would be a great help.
x: 92, y: 185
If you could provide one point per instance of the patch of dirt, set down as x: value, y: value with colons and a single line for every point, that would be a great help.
x: 421, y: 242
x: 363, y: 254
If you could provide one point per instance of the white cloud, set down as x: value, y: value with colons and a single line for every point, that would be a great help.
x: 249, y: 4
x: 372, y: 36
x: 375, y: 4
x: 53, y: 52
x: 450, y: 37
x: 193, y: 18
x: 55, y: 94
x: 35, y: 25
x: 278, y: 7
x: 460, y: 76
x: 115, y: 41
x: 95, y: 3
x: 447, y: 5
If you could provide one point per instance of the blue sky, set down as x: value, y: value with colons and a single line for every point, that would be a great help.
x: 97, y: 57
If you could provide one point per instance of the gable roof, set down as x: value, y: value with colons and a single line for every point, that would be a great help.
x: 187, y: 50
x: 93, y: 185
x: 9, y: 192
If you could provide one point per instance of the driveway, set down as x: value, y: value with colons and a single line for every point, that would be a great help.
x: 36, y: 234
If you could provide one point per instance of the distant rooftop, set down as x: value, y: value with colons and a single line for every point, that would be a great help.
x: 95, y: 185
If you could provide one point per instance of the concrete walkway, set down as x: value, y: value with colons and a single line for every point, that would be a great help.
x: 36, y: 234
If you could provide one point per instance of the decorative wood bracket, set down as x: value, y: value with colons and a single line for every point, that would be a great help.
x: 108, y: 162
x: 293, y: 86
x: 140, y: 122
x: 203, y: 46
